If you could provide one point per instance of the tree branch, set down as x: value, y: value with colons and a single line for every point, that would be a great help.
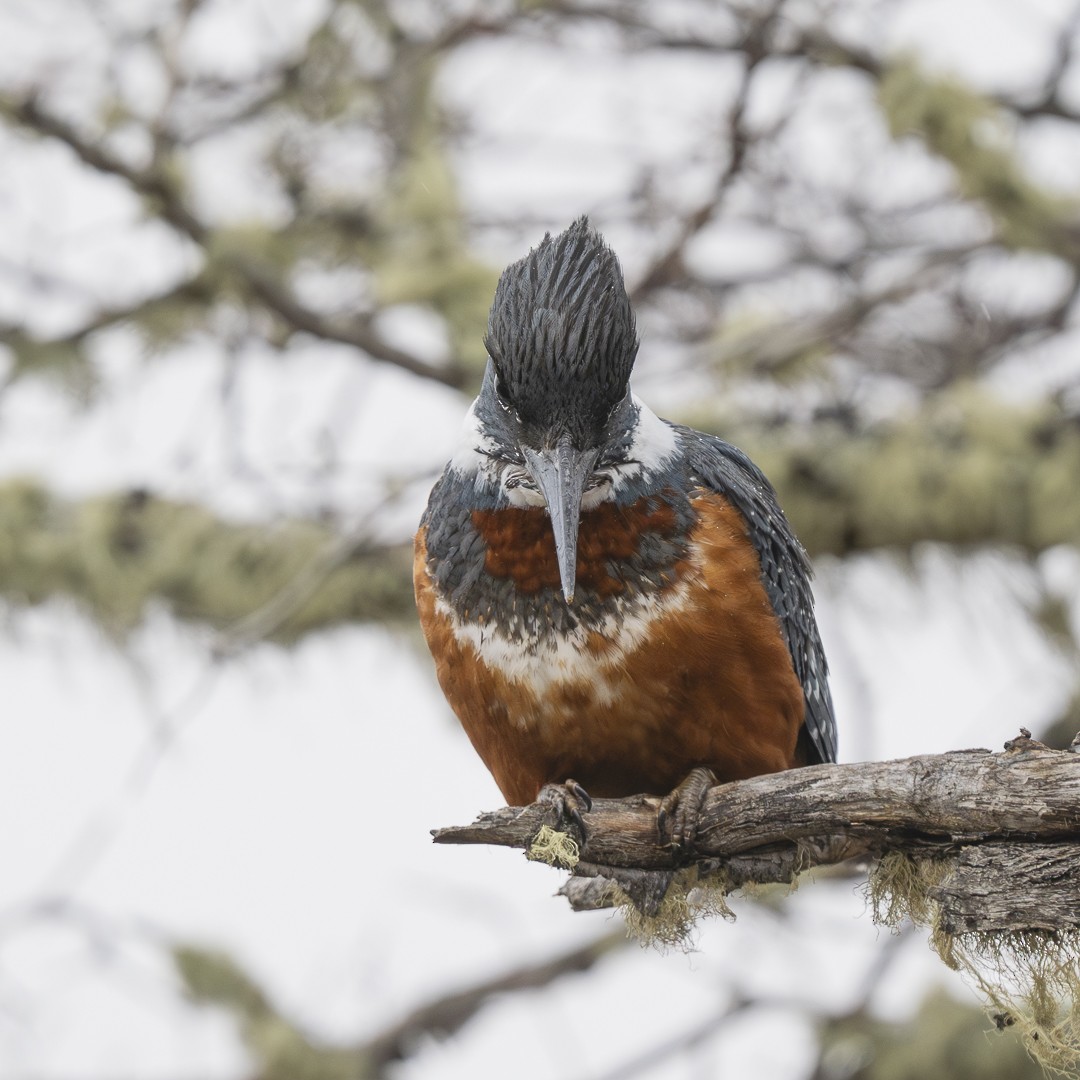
x: 446, y: 1015
x: 33, y: 353
x: 1010, y: 821
x: 356, y: 332
x: 282, y: 1049
x: 155, y: 184
x: 668, y: 266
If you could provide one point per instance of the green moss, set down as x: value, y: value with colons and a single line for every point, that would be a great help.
x: 1030, y: 979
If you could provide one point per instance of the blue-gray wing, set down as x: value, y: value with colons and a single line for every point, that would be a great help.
x: 785, y: 572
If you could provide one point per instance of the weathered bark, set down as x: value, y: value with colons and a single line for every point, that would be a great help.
x: 997, y: 887
x: 1009, y: 821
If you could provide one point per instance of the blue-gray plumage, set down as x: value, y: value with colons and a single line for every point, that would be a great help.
x: 785, y: 571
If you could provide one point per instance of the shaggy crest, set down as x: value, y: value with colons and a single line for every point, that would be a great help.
x: 561, y: 334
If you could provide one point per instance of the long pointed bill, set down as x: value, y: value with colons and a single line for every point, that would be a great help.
x: 561, y: 474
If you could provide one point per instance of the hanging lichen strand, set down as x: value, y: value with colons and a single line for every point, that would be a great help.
x: 1030, y: 979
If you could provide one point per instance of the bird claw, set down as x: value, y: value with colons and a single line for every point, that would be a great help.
x: 681, y: 809
x: 569, y: 800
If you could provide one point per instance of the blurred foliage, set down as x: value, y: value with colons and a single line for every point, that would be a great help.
x: 965, y: 469
x: 425, y: 258
x: 968, y: 131
x: 282, y: 1052
x: 1053, y: 615
x: 1066, y: 727
x: 180, y: 313
x: 945, y: 1040
x: 59, y: 358
x: 393, y: 234
x: 117, y: 554
x: 280, y: 1049
x: 212, y: 978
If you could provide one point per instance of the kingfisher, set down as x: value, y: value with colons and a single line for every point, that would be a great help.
x: 615, y: 603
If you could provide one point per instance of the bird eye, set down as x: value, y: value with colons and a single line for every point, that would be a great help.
x: 516, y: 478
x: 500, y: 393
x: 615, y: 461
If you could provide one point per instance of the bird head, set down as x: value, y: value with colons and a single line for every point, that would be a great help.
x: 555, y: 407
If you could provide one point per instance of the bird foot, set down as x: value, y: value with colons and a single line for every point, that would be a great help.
x: 569, y: 801
x: 680, y: 811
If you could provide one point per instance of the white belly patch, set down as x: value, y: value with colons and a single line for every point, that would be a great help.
x: 546, y: 662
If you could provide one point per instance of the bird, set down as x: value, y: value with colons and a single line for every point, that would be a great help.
x: 616, y: 604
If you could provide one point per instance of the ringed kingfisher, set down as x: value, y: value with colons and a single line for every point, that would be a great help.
x: 607, y: 595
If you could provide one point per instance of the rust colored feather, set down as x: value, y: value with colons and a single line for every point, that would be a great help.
x: 711, y: 684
